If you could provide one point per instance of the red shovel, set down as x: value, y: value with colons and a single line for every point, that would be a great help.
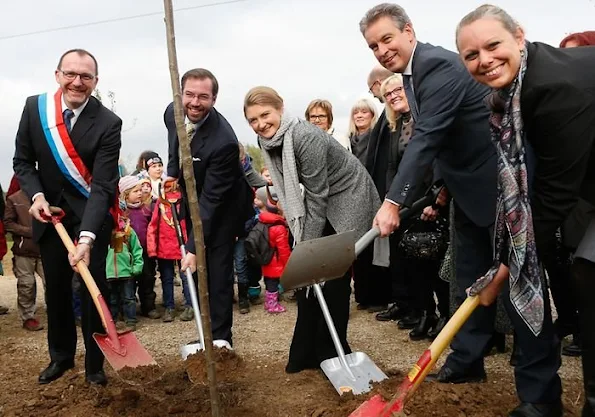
x: 120, y: 350
x: 378, y: 407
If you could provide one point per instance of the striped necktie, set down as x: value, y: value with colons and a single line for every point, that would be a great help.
x: 68, y: 115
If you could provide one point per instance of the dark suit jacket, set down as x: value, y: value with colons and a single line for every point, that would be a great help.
x: 453, y: 129
x: 558, y: 109
x: 225, y: 198
x: 96, y: 137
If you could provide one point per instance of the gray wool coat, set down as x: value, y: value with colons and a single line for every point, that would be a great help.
x: 337, y: 187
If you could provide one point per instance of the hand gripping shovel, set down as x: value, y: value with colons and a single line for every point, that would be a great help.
x: 327, y: 258
x: 120, y: 350
x: 378, y: 407
x: 198, y: 345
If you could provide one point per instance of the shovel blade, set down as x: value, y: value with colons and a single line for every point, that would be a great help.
x: 362, y: 367
x: 190, y: 349
x: 318, y: 260
x: 129, y: 354
x: 376, y: 407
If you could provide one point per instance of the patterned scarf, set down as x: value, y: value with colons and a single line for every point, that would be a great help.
x: 514, y: 237
x: 286, y: 180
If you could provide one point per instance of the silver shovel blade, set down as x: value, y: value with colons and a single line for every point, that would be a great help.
x: 190, y: 349
x: 362, y: 367
x: 318, y: 260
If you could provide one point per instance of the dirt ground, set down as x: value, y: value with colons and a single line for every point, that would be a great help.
x: 251, y: 380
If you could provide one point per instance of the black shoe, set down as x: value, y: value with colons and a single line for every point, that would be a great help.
x: 409, y: 322
x: 537, y: 410
x: 54, y: 371
x: 575, y: 348
x: 435, y: 331
x: 426, y: 322
x: 498, y: 341
x: 393, y: 313
x: 97, y: 378
x: 447, y: 376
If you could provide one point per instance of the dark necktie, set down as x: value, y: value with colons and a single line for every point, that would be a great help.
x: 410, y: 96
x: 68, y: 115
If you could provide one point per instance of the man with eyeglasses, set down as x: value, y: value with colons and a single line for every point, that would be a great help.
x: 67, y: 151
x: 224, y: 196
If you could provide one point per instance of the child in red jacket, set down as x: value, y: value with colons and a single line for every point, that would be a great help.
x: 278, y: 240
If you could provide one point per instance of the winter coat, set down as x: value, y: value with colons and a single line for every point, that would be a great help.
x: 127, y: 263
x: 278, y: 240
x: 162, y: 241
x: 139, y: 220
x: 17, y: 221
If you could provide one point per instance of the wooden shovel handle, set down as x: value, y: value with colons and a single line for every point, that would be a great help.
x: 85, y: 273
x: 428, y: 359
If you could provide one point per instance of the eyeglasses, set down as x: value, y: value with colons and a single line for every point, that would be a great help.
x: 71, y: 76
x: 201, y: 97
x: 319, y: 117
x: 372, y: 86
x: 393, y: 92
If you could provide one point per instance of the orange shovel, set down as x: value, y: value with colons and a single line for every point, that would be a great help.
x: 120, y: 350
x: 378, y: 407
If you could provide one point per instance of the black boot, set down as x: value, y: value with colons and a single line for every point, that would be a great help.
x: 575, y: 348
x: 583, y: 280
x: 432, y: 334
x: 243, y: 301
x: 409, y: 321
x: 426, y: 322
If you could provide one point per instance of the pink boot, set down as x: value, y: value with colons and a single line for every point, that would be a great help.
x: 271, y: 303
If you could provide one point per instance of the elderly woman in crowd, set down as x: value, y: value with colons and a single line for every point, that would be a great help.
x: 543, y: 126
x: 338, y: 196
x: 320, y: 113
x: 361, y: 122
x: 419, y: 270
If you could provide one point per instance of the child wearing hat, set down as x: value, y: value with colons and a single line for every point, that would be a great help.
x: 154, y: 167
x: 125, y: 259
x: 271, y: 215
x: 139, y: 212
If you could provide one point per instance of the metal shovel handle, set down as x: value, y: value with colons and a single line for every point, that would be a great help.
x: 332, y: 329
x: 189, y: 278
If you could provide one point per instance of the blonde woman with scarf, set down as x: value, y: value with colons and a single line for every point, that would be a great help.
x: 543, y: 127
x: 338, y: 196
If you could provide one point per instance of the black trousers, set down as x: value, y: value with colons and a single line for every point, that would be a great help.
x: 372, y: 284
x: 401, y: 286
x: 583, y: 284
x: 311, y: 343
x: 536, y: 374
x: 58, y: 274
x: 425, y: 283
x: 146, y: 285
x: 220, y: 278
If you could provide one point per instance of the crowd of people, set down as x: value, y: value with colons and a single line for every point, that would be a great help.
x: 505, y: 125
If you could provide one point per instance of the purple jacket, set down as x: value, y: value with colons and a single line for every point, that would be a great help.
x: 139, y: 220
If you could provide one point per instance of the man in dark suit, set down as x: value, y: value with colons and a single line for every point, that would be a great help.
x: 452, y: 131
x: 225, y: 198
x: 82, y: 181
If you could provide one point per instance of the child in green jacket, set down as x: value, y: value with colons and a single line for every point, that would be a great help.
x: 124, y: 262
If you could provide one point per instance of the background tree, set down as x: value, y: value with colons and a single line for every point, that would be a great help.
x: 256, y: 155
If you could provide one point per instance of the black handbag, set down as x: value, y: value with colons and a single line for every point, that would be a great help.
x: 425, y: 239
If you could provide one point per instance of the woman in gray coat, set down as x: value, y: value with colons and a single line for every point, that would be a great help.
x: 338, y: 196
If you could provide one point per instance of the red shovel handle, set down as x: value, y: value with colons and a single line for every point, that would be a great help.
x: 98, y: 300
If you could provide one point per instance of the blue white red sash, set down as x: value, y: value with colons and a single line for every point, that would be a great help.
x: 58, y: 139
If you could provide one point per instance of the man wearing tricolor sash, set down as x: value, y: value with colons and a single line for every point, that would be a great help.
x: 67, y: 150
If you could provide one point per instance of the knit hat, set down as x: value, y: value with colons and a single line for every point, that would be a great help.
x: 269, y: 198
x: 151, y: 159
x: 128, y: 182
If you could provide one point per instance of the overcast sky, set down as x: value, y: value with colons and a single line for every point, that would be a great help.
x: 305, y: 49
